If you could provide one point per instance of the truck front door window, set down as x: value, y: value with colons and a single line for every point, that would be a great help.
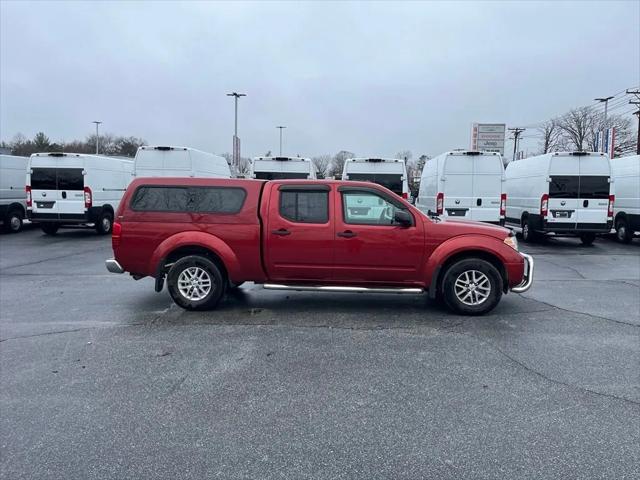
x: 367, y: 208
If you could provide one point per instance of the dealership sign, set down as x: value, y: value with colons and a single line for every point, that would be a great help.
x: 488, y: 137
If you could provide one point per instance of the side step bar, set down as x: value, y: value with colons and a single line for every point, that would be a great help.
x: 343, y: 289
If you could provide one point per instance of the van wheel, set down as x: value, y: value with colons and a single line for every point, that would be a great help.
x: 195, y: 283
x: 13, y: 221
x: 50, y: 228
x: 622, y: 231
x: 104, y: 224
x: 528, y: 233
x: 472, y: 287
x: 587, y: 238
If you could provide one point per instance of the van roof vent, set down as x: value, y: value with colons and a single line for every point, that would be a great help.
x: 57, y: 154
x: 580, y: 154
x: 281, y: 159
x: 374, y: 160
x: 164, y: 149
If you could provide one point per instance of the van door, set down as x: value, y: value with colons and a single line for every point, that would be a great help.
x: 593, y: 202
x: 70, y: 192
x: 487, y: 188
x: 458, y: 186
x: 563, y: 201
x: 44, y: 192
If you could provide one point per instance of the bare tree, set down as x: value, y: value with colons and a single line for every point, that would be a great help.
x: 321, y: 164
x: 577, y: 125
x: 337, y: 164
x: 551, y: 136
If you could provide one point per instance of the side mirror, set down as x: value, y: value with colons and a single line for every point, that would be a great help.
x: 403, y: 218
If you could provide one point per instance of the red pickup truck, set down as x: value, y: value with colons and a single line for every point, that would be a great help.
x: 207, y: 235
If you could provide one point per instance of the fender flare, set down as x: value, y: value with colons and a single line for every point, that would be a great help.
x: 196, y: 239
x: 456, y: 245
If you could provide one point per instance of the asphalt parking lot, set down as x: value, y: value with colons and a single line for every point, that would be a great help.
x: 103, y: 378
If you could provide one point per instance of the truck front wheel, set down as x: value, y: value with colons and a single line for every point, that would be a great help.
x: 195, y: 283
x: 472, y: 286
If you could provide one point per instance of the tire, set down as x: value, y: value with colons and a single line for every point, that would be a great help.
x: 13, y: 221
x: 528, y: 233
x: 50, y: 228
x: 623, y: 234
x: 195, y: 296
x: 104, y: 224
x: 479, y: 273
x: 587, y: 238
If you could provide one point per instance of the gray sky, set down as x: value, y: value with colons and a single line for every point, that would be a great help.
x: 372, y: 78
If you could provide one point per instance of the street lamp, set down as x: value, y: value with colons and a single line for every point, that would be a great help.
x: 281, y: 127
x: 236, y: 149
x: 604, y: 100
x: 97, y: 135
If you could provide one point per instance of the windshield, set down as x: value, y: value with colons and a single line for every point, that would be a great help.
x: 389, y: 180
x: 280, y: 175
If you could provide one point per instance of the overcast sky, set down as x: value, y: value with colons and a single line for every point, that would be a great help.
x: 372, y: 78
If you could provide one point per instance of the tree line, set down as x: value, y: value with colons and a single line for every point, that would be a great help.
x: 109, y: 144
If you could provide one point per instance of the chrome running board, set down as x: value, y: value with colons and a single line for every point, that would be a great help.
x: 342, y: 289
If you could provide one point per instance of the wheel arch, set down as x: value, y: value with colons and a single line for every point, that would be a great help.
x: 16, y: 206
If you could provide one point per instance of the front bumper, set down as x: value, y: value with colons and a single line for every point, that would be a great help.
x: 528, y: 275
x: 113, y: 266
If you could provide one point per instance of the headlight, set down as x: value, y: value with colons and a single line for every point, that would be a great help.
x: 512, y: 242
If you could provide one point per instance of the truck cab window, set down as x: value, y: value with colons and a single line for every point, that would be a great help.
x: 305, y: 206
x: 367, y: 208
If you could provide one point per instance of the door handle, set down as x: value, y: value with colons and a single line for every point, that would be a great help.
x: 64, y: 194
x: 479, y: 202
x: 281, y: 231
x: 346, y: 234
x: 585, y: 204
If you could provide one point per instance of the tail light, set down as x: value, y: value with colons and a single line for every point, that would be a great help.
x: 612, y: 199
x: 29, y: 200
x: 88, y: 201
x: 116, y: 232
x: 503, y: 205
x: 440, y: 203
x: 544, y: 205
x: 405, y: 195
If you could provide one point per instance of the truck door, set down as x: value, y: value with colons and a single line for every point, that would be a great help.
x: 369, y: 246
x: 299, y: 233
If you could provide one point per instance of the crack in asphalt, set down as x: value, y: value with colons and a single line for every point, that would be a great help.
x: 542, y: 375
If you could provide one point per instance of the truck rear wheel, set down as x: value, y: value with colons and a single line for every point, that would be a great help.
x: 13, y: 221
x: 528, y: 233
x: 195, y: 283
x: 104, y: 224
x: 622, y: 231
x: 50, y: 228
x: 472, y: 286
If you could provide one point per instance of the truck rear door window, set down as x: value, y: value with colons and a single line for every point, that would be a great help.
x: 217, y: 199
x: 594, y: 187
x: 43, y: 179
x: 161, y: 199
x: 563, y: 186
x: 70, y: 179
x: 305, y: 206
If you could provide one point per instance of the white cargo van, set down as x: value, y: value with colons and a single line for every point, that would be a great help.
x: 464, y: 185
x: 567, y: 193
x: 388, y: 172
x: 160, y: 161
x: 626, y: 208
x: 279, y: 168
x: 75, y: 189
x: 13, y: 196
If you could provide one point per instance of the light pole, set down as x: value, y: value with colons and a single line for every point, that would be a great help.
x: 236, y: 146
x: 281, y: 127
x: 604, y: 100
x: 97, y: 135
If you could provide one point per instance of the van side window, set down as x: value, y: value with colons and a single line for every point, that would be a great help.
x: 225, y: 200
x: 305, y: 206
x: 367, y: 208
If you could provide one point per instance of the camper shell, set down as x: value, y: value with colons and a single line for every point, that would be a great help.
x: 75, y: 189
x: 168, y: 161
x: 388, y: 172
x: 464, y: 185
x: 13, y: 196
x: 565, y: 193
x: 282, y: 168
x: 626, y: 209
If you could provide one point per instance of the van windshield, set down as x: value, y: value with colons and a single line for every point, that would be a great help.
x: 575, y: 186
x: 389, y: 180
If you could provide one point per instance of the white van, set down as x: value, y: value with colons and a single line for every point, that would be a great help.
x: 278, y: 168
x: 567, y: 193
x: 388, y: 172
x: 464, y: 185
x: 75, y: 189
x: 626, y: 208
x: 13, y: 196
x: 161, y: 161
